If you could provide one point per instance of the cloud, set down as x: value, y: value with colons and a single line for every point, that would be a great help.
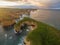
x: 49, y: 3
x: 46, y: 3
x: 55, y: 5
x: 8, y: 0
x: 7, y: 3
x: 41, y: 3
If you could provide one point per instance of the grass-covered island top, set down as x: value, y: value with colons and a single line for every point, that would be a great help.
x: 42, y: 35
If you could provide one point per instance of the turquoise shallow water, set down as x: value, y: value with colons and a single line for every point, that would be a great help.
x: 8, y: 37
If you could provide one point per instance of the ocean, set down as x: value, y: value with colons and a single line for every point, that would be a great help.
x: 48, y: 16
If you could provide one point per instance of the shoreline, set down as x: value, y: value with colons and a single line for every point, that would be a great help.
x: 26, y: 42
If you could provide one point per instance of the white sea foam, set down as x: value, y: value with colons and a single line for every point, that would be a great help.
x: 5, y: 35
x: 27, y: 30
x: 19, y: 44
x: 10, y: 37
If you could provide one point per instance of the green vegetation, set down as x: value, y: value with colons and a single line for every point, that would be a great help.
x: 17, y: 26
x: 43, y: 34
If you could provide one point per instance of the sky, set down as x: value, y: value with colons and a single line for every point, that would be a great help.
x: 40, y: 3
